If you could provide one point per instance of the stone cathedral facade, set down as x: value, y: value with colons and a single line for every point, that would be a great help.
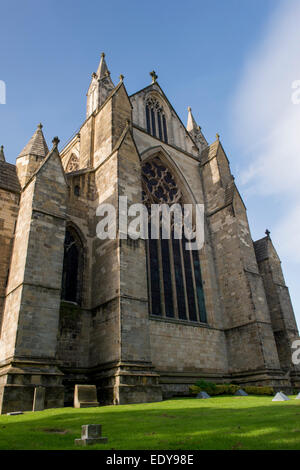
x: 140, y: 319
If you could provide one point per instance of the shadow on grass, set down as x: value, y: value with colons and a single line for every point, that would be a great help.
x: 187, y: 424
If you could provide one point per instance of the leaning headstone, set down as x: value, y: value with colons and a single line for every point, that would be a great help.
x: 298, y: 396
x: 39, y: 399
x: 91, y: 434
x: 203, y: 395
x: 280, y: 396
x: 241, y: 393
x: 15, y: 413
x: 85, y: 396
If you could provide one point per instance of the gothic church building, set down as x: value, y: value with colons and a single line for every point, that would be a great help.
x: 140, y: 319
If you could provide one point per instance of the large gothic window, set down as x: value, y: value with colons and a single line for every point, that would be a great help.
x: 72, y: 267
x: 174, y: 273
x: 156, y: 120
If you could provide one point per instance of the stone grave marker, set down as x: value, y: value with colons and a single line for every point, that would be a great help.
x: 91, y: 434
x: 39, y: 399
x: 85, y: 396
x: 298, y: 396
x: 280, y: 396
x: 203, y: 395
x: 241, y: 393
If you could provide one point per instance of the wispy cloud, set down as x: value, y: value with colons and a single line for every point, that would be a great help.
x: 267, y: 123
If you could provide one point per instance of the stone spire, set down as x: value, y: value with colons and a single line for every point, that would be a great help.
x: 37, y: 145
x: 102, y: 68
x: 2, y: 157
x: 195, y: 131
x: 191, y: 123
x: 100, y: 87
x: 32, y: 156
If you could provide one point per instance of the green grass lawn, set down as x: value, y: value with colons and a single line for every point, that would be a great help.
x: 187, y: 424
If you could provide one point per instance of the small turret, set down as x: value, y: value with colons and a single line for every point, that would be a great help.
x: 100, y: 87
x: 31, y: 156
x: 195, y: 131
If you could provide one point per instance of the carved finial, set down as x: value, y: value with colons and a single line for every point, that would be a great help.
x: 121, y: 78
x: 189, y: 109
x: 218, y: 136
x: 40, y: 126
x: 102, y: 54
x: 55, y: 142
x: 94, y: 75
x: 154, y: 76
x: 268, y: 233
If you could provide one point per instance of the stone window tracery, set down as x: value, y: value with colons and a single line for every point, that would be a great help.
x: 73, y: 164
x: 156, y: 119
x: 174, y: 273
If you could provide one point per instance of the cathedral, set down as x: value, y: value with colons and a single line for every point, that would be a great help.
x: 142, y: 319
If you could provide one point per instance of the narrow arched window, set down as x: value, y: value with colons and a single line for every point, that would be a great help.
x: 72, y: 267
x: 174, y: 273
x: 156, y: 120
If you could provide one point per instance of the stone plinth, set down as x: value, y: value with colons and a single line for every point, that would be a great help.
x: 85, y: 396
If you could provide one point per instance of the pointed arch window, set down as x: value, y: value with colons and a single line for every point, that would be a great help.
x: 174, y: 273
x: 72, y: 267
x: 156, y: 119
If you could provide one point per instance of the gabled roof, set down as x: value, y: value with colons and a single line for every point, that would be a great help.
x: 54, y: 150
x: 8, y: 177
x: 154, y: 87
x: 37, y: 145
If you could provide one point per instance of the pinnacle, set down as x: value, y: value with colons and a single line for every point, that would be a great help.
x: 2, y: 157
x: 102, y: 69
x: 191, y: 123
x: 55, y: 142
x: 37, y: 144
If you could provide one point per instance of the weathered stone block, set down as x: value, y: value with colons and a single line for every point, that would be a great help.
x: 85, y: 396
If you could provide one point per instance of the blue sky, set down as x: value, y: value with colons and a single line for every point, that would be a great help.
x: 233, y: 61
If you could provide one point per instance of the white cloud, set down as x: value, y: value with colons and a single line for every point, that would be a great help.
x: 267, y: 123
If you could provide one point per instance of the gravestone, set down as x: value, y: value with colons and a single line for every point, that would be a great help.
x: 39, y: 399
x: 280, y: 396
x: 85, y: 396
x: 241, y: 393
x: 298, y: 396
x: 91, y: 434
x: 203, y: 395
x: 15, y: 413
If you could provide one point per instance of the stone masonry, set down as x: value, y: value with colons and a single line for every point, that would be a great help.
x: 106, y: 334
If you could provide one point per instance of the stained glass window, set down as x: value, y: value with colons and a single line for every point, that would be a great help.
x: 174, y: 273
